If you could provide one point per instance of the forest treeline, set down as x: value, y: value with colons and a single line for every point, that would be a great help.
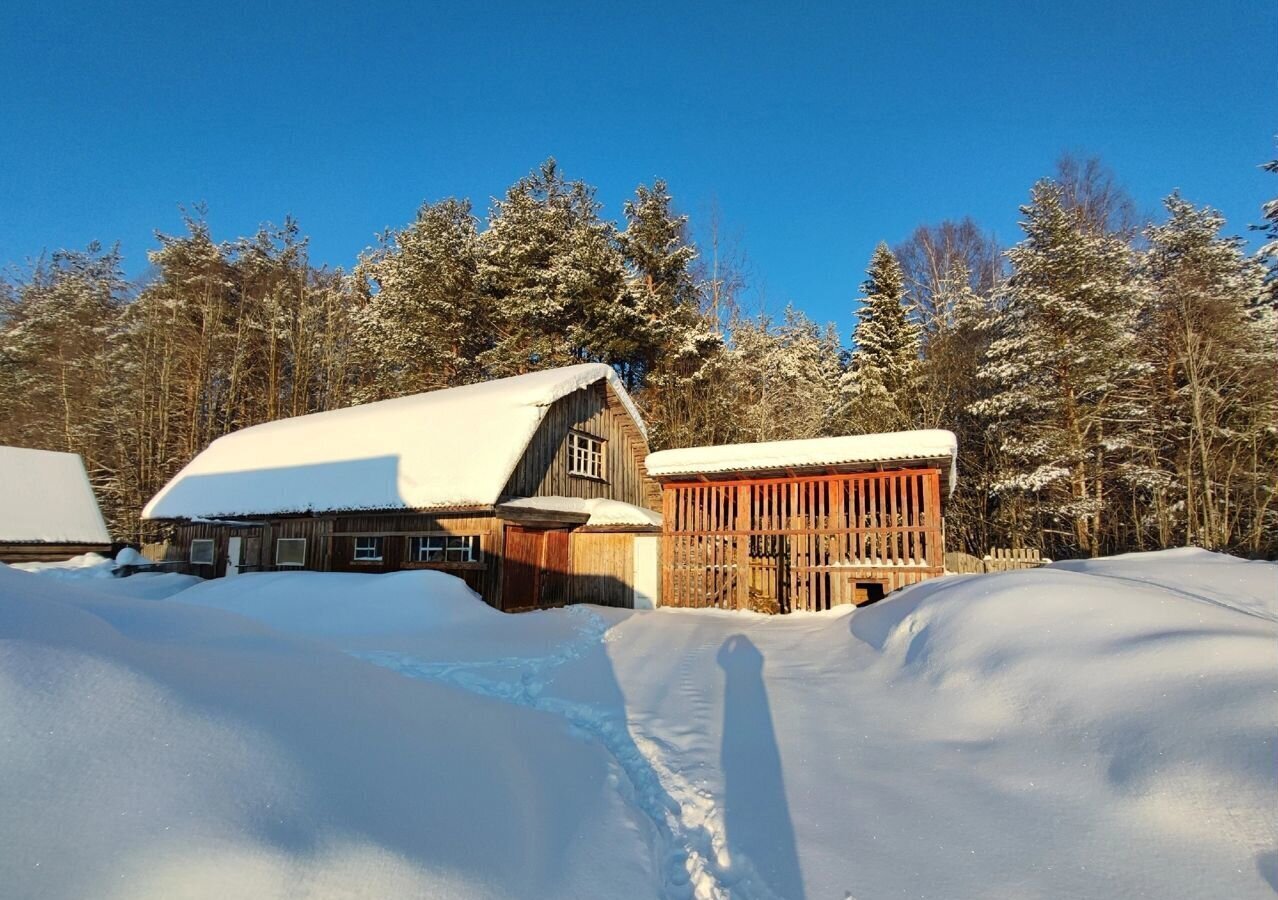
x: 1111, y: 381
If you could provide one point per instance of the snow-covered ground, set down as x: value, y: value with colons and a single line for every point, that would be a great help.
x: 1107, y: 728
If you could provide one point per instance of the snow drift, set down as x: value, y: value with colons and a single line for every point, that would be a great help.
x: 1105, y: 728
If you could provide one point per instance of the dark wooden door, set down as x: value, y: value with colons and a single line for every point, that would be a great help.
x: 534, y: 568
x: 554, y: 572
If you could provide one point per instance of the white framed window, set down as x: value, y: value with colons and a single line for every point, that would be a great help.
x: 368, y: 549
x: 290, y: 552
x: 202, y: 552
x: 444, y: 548
x: 585, y: 455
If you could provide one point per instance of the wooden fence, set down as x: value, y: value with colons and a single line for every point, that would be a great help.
x: 796, y: 542
x: 999, y: 559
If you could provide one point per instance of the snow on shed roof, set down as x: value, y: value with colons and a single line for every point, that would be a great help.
x: 449, y: 448
x: 45, y: 497
x: 599, y: 512
x: 893, y: 447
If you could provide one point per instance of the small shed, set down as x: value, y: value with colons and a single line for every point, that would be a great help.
x: 803, y: 525
x: 47, y: 508
x: 530, y: 488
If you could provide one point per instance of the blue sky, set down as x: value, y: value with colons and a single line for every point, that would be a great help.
x: 818, y: 129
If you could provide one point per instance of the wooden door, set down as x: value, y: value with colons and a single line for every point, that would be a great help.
x: 554, y: 570
x: 534, y: 568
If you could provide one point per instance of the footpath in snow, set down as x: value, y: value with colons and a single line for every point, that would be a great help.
x: 1105, y: 728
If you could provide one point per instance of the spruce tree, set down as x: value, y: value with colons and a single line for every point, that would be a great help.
x: 880, y: 388
x: 678, y: 352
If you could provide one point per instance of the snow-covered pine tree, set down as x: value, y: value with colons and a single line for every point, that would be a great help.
x: 784, y: 379
x: 1055, y: 411
x: 1211, y: 436
x: 879, y: 390
x: 420, y: 324
x: 553, y: 279
x: 678, y: 353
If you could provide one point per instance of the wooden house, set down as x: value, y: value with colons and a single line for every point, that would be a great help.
x: 47, y: 508
x: 806, y: 524
x: 531, y: 488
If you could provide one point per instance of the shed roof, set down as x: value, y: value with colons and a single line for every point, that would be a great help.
x: 45, y: 497
x: 593, y: 512
x: 870, y: 450
x: 455, y: 447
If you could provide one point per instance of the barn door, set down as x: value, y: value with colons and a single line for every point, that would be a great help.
x: 534, y: 568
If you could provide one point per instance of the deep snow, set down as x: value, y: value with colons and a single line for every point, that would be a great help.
x: 1107, y: 728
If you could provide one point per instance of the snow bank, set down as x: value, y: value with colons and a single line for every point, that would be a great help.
x: 1049, y: 733
x: 165, y: 750
x: 454, y: 447
x: 893, y: 447
x: 100, y: 570
x: 46, y: 497
x: 337, y: 603
x: 600, y: 512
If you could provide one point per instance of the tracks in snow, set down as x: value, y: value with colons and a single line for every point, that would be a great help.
x: 691, y: 850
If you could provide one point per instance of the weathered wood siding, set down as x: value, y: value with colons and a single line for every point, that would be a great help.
x: 483, y: 577
x: 602, y: 568
x: 330, y: 544
x: 595, y: 410
x: 800, y: 542
x: 24, y: 552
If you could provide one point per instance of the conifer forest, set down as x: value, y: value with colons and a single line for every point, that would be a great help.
x: 1111, y: 379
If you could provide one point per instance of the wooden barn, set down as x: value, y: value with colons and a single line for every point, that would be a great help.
x: 808, y: 524
x: 531, y: 488
x: 47, y: 508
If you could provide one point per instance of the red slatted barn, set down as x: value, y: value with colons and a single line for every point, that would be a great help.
x: 802, y: 525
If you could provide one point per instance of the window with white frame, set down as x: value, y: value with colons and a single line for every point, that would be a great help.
x: 585, y: 455
x: 368, y: 549
x: 290, y: 552
x: 444, y: 548
x: 202, y: 552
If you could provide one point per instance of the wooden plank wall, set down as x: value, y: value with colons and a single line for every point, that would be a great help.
x: 331, y: 544
x: 800, y: 542
x: 24, y: 552
x: 602, y: 568
x: 595, y: 410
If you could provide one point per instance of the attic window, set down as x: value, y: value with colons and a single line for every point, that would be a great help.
x: 202, y: 552
x: 585, y: 455
x: 290, y: 552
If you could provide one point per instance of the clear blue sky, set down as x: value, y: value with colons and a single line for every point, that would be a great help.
x: 819, y: 129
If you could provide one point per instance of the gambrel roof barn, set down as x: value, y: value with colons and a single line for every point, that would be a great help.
x: 531, y: 488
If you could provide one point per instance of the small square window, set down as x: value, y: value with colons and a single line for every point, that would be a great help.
x: 368, y: 549
x: 585, y: 455
x: 202, y: 552
x: 290, y: 552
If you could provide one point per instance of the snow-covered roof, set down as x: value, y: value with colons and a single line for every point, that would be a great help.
x: 600, y: 512
x: 449, y: 448
x: 45, y: 497
x: 891, y: 448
